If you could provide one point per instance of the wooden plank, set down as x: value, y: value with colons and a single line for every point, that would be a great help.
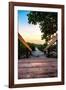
x: 51, y: 41
x: 24, y: 42
x: 37, y: 68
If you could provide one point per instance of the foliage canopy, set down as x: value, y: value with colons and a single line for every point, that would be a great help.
x: 47, y: 22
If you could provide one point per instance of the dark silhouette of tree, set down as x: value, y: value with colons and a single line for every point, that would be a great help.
x: 47, y: 22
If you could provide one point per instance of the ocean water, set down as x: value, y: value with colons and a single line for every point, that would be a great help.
x: 37, y: 52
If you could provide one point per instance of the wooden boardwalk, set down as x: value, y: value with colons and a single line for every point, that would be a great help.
x: 37, y: 68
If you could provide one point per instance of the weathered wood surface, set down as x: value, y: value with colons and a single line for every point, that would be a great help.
x: 37, y: 68
x: 24, y: 42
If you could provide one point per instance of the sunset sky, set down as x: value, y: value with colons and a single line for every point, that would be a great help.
x: 30, y: 33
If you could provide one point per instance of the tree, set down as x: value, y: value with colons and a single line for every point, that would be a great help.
x: 47, y: 22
